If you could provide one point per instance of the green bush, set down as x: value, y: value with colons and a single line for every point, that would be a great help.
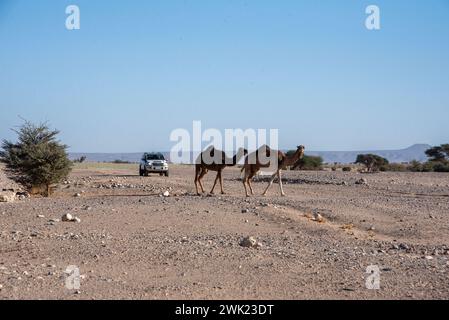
x: 439, y: 153
x: 80, y: 160
x: 439, y: 159
x: 118, y: 161
x: 37, y: 160
x: 372, y: 162
x: 415, y: 166
x: 395, y: 167
x: 441, y: 167
x: 309, y: 163
x: 428, y: 166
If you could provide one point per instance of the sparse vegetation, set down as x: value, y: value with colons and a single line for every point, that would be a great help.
x: 395, y: 167
x: 439, y: 158
x: 106, y: 166
x: 371, y: 161
x: 307, y: 162
x: 438, y: 153
x: 415, y: 166
x: 80, y: 160
x: 118, y: 161
x: 37, y: 160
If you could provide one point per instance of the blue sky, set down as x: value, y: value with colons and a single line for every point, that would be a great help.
x: 139, y: 69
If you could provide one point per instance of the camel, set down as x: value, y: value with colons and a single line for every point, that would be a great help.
x: 283, y: 161
x: 202, y: 167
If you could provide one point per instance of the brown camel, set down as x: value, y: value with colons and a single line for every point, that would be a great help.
x: 283, y: 161
x: 217, y: 161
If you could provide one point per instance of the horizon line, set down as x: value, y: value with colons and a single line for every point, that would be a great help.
x: 284, y: 149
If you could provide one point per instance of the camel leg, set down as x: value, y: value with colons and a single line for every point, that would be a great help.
x: 246, y: 191
x: 245, y: 179
x: 221, y: 183
x: 215, y: 183
x: 203, y: 173
x: 280, y: 184
x: 249, y: 183
x: 270, y: 183
x: 197, y: 169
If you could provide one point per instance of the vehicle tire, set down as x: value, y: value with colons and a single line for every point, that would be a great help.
x: 145, y: 173
x: 161, y: 174
x: 166, y: 173
x: 140, y: 172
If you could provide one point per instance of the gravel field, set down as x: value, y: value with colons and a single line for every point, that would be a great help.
x: 131, y: 242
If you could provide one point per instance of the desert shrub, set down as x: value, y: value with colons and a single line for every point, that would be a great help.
x: 415, y: 166
x: 441, y: 167
x: 439, y: 159
x: 371, y: 161
x: 80, y: 160
x: 37, y: 159
x: 347, y: 169
x: 438, y: 153
x: 395, y: 167
x: 428, y: 166
x: 120, y: 162
x: 309, y: 163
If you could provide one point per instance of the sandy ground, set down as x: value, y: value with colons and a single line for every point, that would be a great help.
x: 132, y: 243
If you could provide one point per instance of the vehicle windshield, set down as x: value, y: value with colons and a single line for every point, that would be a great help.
x: 153, y: 156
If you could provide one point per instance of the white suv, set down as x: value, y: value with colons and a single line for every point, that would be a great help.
x: 153, y: 163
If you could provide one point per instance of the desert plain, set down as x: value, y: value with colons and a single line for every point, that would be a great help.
x: 132, y: 242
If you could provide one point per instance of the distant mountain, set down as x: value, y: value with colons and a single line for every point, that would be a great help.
x: 415, y: 152
x: 108, y: 157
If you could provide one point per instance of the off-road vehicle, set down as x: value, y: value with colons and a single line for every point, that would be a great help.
x: 153, y: 163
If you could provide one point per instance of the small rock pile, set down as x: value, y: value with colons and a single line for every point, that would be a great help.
x: 362, y: 181
x: 69, y: 218
x: 11, y: 196
x: 250, y: 242
x: 7, y: 197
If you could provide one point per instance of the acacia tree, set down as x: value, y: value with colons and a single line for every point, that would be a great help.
x: 439, y: 158
x: 38, y: 159
x: 372, y: 162
x: 438, y: 153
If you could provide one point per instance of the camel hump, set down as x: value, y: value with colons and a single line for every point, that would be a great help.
x: 281, y: 156
x: 264, y: 150
x: 210, y: 150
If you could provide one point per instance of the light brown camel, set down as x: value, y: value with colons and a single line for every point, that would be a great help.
x: 214, y: 160
x: 253, y: 165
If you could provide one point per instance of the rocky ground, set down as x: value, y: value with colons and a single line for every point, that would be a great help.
x: 129, y: 241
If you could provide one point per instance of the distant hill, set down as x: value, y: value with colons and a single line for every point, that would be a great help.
x: 415, y: 152
x: 108, y: 157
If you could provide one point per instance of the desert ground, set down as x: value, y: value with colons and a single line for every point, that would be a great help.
x: 134, y: 243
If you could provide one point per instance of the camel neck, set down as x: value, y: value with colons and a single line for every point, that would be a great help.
x: 235, y: 159
x: 293, y: 158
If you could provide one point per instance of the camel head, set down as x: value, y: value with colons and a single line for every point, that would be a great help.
x: 300, y: 151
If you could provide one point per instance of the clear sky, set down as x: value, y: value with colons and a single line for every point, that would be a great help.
x: 139, y: 69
